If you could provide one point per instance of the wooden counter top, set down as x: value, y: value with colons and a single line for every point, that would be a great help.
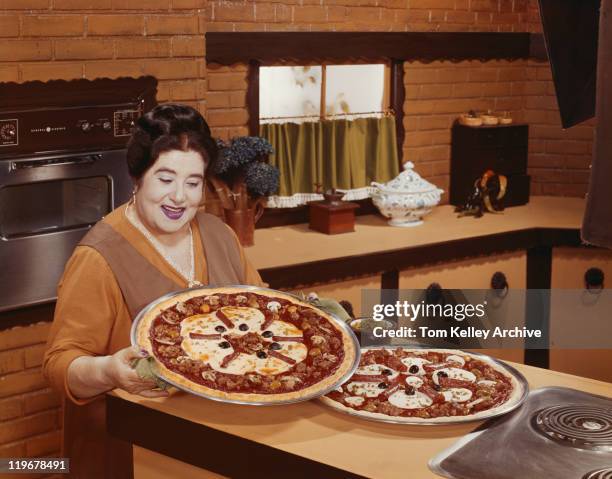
x: 309, y: 431
x: 288, y: 245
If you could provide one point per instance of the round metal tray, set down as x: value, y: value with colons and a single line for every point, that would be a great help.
x: 253, y: 289
x: 498, y: 411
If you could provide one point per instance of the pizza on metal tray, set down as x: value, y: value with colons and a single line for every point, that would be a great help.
x: 246, y: 345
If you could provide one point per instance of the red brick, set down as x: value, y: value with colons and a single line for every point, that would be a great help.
x: 567, y: 147
x: 44, y: 444
x: 49, y: 71
x: 436, y: 91
x: 218, y: 99
x: 9, y: 26
x: 433, y: 4
x: 12, y: 361
x: 28, y: 426
x: 420, y: 76
x: 14, y: 449
x: 83, y: 49
x: 34, y: 355
x: 186, y: 90
x: 21, y: 382
x: 265, y: 12
x: 435, y: 122
x: 485, y: 5
x: 282, y: 13
x: 363, y: 14
x: 40, y: 401
x: 141, y: 5
x: 310, y: 14
x: 452, y: 75
x: 52, y: 26
x: 11, y: 408
x: 24, y: 4
x: 227, y: 81
x: 226, y: 12
x: 188, y: 4
x: 231, y: 117
x: 112, y: 69
x: 115, y: 25
x: 171, y: 69
x: 172, y: 25
x: 143, y: 48
x: 25, y: 50
x: 192, y: 46
x: 411, y: 16
x: 24, y: 336
x: 9, y: 73
x: 460, y: 17
x: 82, y: 4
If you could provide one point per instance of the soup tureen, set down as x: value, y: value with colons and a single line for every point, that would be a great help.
x: 406, y: 198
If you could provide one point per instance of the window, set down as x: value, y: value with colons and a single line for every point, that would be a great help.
x: 310, y: 93
x: 330, y: 126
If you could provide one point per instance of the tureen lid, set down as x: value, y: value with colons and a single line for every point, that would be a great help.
x: 408, y: 181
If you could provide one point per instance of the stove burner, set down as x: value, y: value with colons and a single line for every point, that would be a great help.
x: 579, y: 426
x: 605, y: 473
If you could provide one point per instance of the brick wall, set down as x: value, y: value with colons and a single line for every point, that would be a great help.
x: 30, y: 413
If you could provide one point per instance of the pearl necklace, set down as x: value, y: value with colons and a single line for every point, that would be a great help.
x: 189, y: 275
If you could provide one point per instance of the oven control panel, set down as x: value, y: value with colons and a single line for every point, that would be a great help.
x: 124, y: 121
x: 9, y: 132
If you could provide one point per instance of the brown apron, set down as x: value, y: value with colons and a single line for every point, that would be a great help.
x: 93, y: 454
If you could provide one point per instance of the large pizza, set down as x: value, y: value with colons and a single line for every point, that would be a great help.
x: 427, y: 386
x: 246, y: 345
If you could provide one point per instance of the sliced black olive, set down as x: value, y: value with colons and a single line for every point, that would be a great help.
x: 413, y: 369
x: 224, y: 344
x: 437, y: 387
x: 261, y: 355
x: 267, y: 334
x: 383, y: 385
x: 387, y: 372
x: 410, y: 390
x: 442, y: 374
x: 220, y: 329
x: 275, y: 346
x: 243, y: 327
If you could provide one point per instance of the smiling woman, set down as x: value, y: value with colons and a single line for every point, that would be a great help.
x: 157, y: 243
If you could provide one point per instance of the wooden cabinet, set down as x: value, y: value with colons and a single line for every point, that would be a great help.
x: 475, y: 273
x: 502, y: 149
x: 568, y: 270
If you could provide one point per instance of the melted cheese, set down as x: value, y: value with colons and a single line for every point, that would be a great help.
x: 363, y: 388
x: 486, y: 383
x: 418, y: 362
x: 414, y: 381
x: 410, y: 401
x: 456, y: 359
x: 376, y: 370
x: 454, y: 373
x: 457, y: 395
x: 354, y: 400
x: 209, y: 350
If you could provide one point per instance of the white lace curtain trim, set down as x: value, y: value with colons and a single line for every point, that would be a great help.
x: 299, y: 199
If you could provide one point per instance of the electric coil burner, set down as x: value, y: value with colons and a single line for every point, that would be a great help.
x: 558, y: 433
x: 605, y: 473
x: 576, y: 425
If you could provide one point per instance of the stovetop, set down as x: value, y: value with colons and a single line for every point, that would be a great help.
x: 558, y: 433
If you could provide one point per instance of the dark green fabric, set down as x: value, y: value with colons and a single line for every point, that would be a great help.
x: 343, y: 154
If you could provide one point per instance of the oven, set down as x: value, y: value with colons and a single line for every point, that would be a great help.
x: 62, y: 169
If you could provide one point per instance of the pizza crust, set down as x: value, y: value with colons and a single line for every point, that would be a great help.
x: 516, y: 396
x: 142, y: 339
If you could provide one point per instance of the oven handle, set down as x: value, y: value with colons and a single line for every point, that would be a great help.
x: 80, y: 160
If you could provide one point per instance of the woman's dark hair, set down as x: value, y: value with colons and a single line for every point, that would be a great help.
x: 165, y: 128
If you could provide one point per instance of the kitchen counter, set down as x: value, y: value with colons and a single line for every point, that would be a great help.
x: 300, y: 440
x: 289, y: 245
x: 287, y: 256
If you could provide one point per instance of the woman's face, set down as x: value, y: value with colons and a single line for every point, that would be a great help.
x: 169, y: 193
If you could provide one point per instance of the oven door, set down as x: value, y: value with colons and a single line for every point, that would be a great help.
x: 47, y: 204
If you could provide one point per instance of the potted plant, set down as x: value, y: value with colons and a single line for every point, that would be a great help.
x: 243, y: 179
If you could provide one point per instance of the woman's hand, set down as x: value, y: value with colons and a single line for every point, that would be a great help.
x: 123, y: 376
x: 89, y: 376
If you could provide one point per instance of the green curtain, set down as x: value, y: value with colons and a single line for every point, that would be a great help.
x: 343, y: 154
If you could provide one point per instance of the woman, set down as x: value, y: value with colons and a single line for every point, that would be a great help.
x: 155, y: 244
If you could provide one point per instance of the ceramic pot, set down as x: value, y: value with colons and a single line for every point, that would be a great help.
x: 242, y: 221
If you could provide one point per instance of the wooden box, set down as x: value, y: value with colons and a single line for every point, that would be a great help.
x: 332, y: 218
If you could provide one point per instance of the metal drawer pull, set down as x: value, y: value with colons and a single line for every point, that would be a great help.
x: 499, y: 284
x: 80, y: 160
x: 594, y: 280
